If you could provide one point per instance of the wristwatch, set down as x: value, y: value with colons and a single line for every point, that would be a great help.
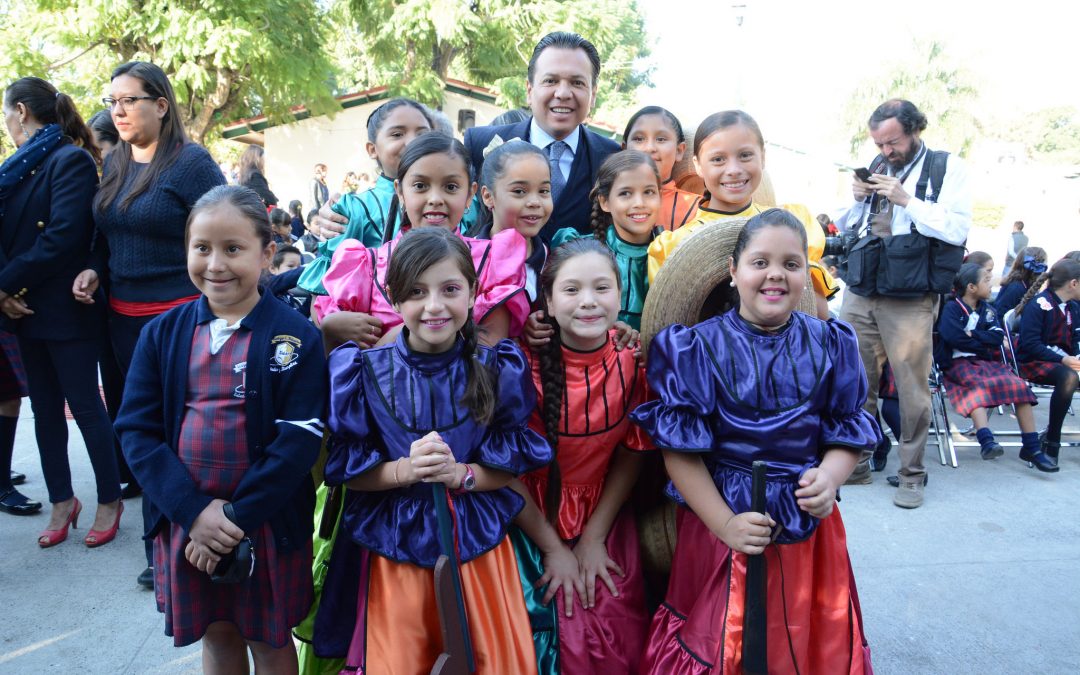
x: 468, y: 481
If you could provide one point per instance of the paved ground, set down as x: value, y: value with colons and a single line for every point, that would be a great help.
x: 982, y: 579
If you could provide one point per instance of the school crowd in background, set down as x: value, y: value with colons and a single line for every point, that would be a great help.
x: 494, y: 372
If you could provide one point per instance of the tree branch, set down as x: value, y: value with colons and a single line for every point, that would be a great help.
x: 61, y: 64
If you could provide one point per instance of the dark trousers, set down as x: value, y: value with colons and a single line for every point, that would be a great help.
x: 67, y: 369
x: 123, y: 336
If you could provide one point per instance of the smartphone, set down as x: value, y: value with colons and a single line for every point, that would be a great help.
x: 863, y: 174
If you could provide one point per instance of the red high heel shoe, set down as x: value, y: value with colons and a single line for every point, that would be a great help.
x: 49, y: 538
x: 95, y: 538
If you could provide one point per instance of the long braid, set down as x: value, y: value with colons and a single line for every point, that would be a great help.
x: 1032, y: 291
x: 391, y: 217
x: 480, y: 386
x: 600, y: 221
x: 553, y: 381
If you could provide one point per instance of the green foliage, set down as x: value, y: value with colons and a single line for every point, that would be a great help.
x: 1050, y: 135
x: 944, y: 91
x: 987, y: 215
x: 226, y: 60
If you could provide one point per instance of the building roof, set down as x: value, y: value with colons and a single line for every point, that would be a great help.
x: 249, y: 130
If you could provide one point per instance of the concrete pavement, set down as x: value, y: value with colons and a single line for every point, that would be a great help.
x: 984, y: 578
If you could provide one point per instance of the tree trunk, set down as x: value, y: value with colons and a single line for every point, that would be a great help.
x: 442, y: 57
x: 216, y: 100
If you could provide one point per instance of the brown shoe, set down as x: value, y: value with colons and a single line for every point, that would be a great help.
x: 861, y: 475
x: 908, y: 495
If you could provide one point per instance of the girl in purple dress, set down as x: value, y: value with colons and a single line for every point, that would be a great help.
x: 221, y: 425
x: 759, y: 382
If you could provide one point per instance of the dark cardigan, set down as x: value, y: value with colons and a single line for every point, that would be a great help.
x: 285, y: 404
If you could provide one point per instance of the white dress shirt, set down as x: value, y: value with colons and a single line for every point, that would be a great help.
x: 542, y: 139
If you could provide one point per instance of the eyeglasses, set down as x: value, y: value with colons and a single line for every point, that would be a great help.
x: 126, y: 102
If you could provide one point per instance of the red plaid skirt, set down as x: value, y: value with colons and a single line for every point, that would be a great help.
x: 213, y: 448
x: 887, y: 383
x: 12, y: 375
x: 1038, y: 371
x: 975, y: 383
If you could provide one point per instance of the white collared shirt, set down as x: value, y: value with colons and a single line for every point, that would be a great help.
x: 948, y: 219
x: 542, y: 139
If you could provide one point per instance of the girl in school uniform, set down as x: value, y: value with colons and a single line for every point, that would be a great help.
x: 1049, y: 348
x: 658, y: 133
x: 759, y: 382
x: 221, y: 425
x: 432, y: 408
x: 576, y: 508
x: 1027, y: 268
x: 729, y: 153
x: 626, y: 204
x: 976, y: 377
x: 390, y: 128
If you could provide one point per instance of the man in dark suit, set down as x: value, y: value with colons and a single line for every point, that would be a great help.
x: 561, y: 88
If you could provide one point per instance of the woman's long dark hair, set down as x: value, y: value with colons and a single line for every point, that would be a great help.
x: 418, y: 250
x: 552, y: 377
x: 171, y: 139
x: 251, y: 162
x: 1019, y: 271
x: 50, y: 106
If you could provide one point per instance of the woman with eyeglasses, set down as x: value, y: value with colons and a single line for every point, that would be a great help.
x: 46, y: 194
x: 149, y: 184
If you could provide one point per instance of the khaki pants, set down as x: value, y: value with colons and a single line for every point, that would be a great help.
x: 901, y: 331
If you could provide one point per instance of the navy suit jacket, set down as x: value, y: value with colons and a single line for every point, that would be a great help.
x: 572, y: 208
x: 45, y: 236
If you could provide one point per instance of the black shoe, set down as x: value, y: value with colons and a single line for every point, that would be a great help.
x: 146, y: 579
x: 17, y: 504
x: 131, y: 490
x: 17, y: 478
x: 881, y: 454
x: 895, y: 480
x: 1050, y: 448
x: 1039, y: 460
x: 991, y: 451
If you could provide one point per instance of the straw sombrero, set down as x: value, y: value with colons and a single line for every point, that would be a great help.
x: 678, y: 294
x: 689, y: 276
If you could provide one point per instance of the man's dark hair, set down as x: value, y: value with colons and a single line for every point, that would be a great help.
x: 1019, y: 225
x: 905, y: 113
x: 564, y: 40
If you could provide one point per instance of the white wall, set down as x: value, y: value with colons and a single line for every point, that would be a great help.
x: 292, y: 150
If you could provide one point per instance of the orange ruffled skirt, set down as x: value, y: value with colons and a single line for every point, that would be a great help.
x: 814, y: 620
x: 398, y: 633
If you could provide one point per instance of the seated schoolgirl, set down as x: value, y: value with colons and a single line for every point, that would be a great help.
x: 1049, y: 347
x: 1027, y: 270
x: 973, y: 365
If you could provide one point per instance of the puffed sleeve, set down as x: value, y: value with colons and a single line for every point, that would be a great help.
x: 502, y: 280
x: 680, y: 377
x: 349, y: 281
x: 564, y: 235
x: 509, y: 444
x: 844, y: 423
x: 664, y: 245
x: 353, y: 448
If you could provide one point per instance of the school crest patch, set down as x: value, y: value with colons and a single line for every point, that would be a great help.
x: 286, y: 352
x: 1045, y: 305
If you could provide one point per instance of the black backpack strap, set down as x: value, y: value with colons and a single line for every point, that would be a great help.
x: 877, y: 166
x: 933, y: 173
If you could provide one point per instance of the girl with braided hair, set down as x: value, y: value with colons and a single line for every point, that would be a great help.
x: 625, y: 207
x: 1027, y: 274
x: 433, y: 407
x: 576, y: 508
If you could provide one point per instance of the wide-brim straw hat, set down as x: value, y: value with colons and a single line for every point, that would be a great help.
x: 699, y: 264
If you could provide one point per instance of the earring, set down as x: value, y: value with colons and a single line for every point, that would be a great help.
x: 732, y: 283
x: 25, y: 132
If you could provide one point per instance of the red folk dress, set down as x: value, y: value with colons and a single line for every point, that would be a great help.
x: 602, y: 387
x: 213, y: 447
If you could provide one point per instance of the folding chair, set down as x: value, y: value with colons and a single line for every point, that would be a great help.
x: 939, y: 415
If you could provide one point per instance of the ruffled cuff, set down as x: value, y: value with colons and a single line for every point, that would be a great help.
x: 856, y: 431
x: 515, y: 451
x: 673, y: 429
x: 564, y: 235
x: 312, y: 276
x: 348, y: 458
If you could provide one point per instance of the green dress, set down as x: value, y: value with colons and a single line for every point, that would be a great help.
x: 633, y: 263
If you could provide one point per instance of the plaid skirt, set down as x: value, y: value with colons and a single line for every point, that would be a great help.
x: 12, y: 375
x: 1038, y: 371
x: 975, y: 383
x: 887, y: 383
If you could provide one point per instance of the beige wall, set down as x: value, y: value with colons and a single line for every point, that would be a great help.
x: 292, y: 150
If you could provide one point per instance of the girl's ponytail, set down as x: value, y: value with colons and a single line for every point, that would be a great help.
x: 480, y: 385
x: 1032, y: 291
x: 71, y: 123
x: 50, y: 106
x: 553, y: 382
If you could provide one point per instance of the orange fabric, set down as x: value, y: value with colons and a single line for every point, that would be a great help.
x: 403, y: 633
x: 147, y: 308
x: 677, y: 207
x: 602, y: 387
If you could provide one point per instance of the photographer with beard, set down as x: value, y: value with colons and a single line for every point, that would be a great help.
x: 905, y: 234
